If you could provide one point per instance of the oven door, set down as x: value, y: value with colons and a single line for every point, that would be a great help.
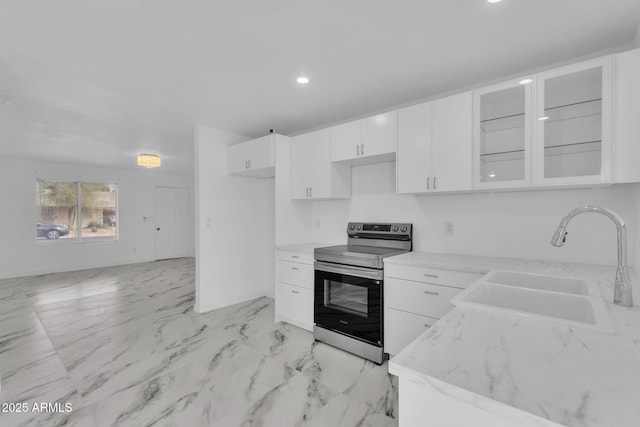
x: 349, y: 300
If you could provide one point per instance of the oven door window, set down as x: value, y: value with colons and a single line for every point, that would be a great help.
x: 349, y: 304
x: 352, y: 299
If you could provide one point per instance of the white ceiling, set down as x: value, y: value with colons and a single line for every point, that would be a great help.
x: 100, y: 81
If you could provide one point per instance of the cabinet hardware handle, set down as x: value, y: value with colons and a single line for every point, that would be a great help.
x: 435, y: 276
x: 434, y: 182
x: 295, y: 292
x: 246, y: 164
x: 307, y: 190
x: 431, y: 293
x: 362, y: 149
x: 249, y: 161
x: 295, y: 268
x: 428, y: 179
x: 295, y: 256
x: 310, y: 191
x: 357, y: 150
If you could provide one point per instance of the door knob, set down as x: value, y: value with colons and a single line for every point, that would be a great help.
x: 157, y: 228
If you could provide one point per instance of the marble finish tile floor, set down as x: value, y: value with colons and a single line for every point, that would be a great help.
x: 123, y: 346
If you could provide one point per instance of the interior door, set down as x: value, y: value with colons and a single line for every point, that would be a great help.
x: 172, y: 222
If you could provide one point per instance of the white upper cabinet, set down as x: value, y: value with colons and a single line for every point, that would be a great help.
x: 627, y: 120
x: 313, y: 175
x: 346, y: 141
x: 413, y: 161
x: 254, y: 158
x: 434, y: 146
x: 370, y: 140
x: 502, y: 122
x: 380, y: 136
x: 451, y: 124
x: 574, y: 125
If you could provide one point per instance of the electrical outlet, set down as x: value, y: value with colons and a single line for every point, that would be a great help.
x: 448, y: 228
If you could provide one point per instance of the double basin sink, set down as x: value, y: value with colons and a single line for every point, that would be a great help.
x: 563, y: 300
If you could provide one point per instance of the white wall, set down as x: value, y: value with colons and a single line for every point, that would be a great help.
x: 234, y: 227
x: 19, y: 254
x: 508, y: 224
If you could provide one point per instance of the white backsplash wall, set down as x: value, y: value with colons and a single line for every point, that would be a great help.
x: 503, y: 224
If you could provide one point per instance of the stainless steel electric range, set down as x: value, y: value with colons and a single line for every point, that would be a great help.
x: 348, y: 287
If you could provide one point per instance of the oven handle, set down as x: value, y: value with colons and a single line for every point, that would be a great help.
x: 366, y: 273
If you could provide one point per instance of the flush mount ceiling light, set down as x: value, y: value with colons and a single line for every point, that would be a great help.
x: 302, y: 80
x: 149, y: 160
x: 526, y: 81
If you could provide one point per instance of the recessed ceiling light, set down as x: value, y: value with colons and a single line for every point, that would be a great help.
x: 526, y: 81
x: 494, y: 1
x: 544, y: 118
x: 302, y: 80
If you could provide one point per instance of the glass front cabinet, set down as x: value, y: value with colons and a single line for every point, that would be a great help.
x: 574, y: 125
x: 551, y: 129
x: 502, y: 134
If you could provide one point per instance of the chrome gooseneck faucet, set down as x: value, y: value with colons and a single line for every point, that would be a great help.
x: 622, y: 294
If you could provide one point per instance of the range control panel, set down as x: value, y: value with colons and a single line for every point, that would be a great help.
x: 379, y: 228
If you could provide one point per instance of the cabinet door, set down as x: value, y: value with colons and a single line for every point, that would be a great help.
x: 451, y: 147
x: 502, y: 134
x: 413, y: 160
x: 379, y: 134
x: 400, y: 328
x: 574, y: 124
x: 345, y: 141
x: 261, y: 153
x: 301, y: 175
x: 238, y: 157
x: 294, y: 305
x: 311, y: 165
x: 627, y: 121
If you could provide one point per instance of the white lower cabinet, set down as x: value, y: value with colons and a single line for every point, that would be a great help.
x: 415, y: 298
x: 294, y: 305
x: 400, y: 328
x: 294, y: 288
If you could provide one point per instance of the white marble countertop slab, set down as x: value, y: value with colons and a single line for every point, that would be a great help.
x: 302, y: 247
x: 571, y: 376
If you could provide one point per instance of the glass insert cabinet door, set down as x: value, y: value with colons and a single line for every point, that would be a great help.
x: 574, y: 124
x: 502, y: 134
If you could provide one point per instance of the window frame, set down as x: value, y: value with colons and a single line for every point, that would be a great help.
x: 78, y: 239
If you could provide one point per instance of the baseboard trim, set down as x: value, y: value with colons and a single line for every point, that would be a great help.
x: 203, y: 307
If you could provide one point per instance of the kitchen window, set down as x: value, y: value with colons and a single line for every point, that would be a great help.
x: 76, y: 212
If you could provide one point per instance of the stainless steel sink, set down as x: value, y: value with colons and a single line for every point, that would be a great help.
x: 563, y: 300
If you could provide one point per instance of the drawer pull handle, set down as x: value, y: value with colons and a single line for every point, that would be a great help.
x: 295, y: 256
x: 435, y: 276
x: 431, y: 293
x: 295, y: 292
x: 295, y: 268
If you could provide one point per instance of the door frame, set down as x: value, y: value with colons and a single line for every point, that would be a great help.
x: 189, y: 219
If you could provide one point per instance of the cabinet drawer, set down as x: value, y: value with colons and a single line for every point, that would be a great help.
x: 435, y: 276
x: 401, y: 328
x: 295, y: 273
x: 419, y: 298
x: 294, y: 305
x: 302, y: 257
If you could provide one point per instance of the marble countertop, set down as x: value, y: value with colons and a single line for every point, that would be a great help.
x: 302, y: 247
x: 571, y: 376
